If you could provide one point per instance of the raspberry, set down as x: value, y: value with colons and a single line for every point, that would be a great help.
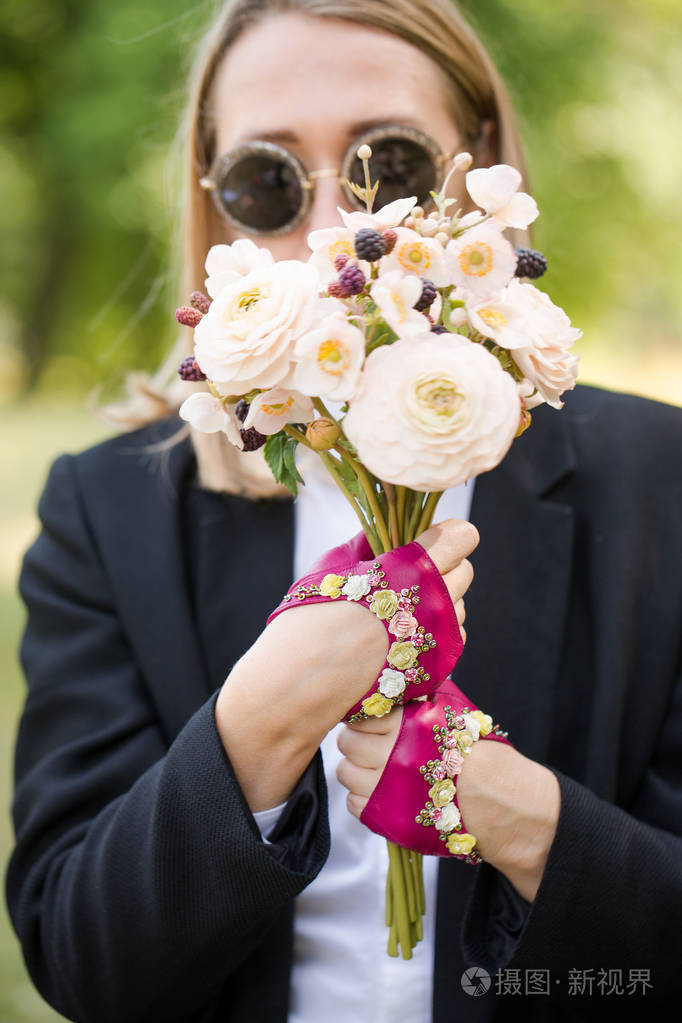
x: 427, y: 297
x: 251, y: 438
x: 340, y: 261
x: 531, y: 263
x: 199, y: 301
x: 390, y: 238
x: 351, y: 279
x: 439, y: 329
x: 335, y: 290
x: 187, y: 316
x: 189, y: 369
x: 369, y: 245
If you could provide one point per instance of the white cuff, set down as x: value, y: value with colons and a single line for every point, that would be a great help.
x: 266, y: 820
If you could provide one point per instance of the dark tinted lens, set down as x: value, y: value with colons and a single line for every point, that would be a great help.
x: 402, y: 167
x: 261, y: 192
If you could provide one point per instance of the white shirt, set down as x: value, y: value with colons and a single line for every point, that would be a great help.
x: 341, y: 971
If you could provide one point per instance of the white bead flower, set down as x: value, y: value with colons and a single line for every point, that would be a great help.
x: 449, y: 818
x: 391, y: 683
x: 356, y: 587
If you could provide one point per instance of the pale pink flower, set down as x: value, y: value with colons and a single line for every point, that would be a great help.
x: 498, y: 320
x: 433, y: 413
x: 225, y: 264
x: 247, y: 337
x: 545, y: 360
x: 329, y: 358
x: 403, y: 625
x: 481, y: 260
x: 388, y: 216
x: 495, y: 190
x: 415, y: 254
x: 207, y: 414
x: 272, y: 410
x: 452, y: 761
x: 326, y: 245
x: 395, y: 294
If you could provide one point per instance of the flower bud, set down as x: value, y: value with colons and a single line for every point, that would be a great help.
x: 322, y: 434
x: 364, y: 152
x: 428, y: 228
x: 442, y: 237
x: 524, y: 422
x: 463, y: 161
x: 417, y: 213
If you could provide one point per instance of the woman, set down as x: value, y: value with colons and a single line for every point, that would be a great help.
x: 173, y: 854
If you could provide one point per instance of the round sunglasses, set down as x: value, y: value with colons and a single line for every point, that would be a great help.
x: 262, y: 188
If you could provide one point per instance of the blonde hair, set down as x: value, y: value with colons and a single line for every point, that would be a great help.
x: 479, y: 98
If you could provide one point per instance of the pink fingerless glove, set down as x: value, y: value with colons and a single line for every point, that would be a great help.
x: 406, y: 592
x: 415, y: 801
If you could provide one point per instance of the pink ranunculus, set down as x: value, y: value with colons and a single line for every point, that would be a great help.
x: 403, y: 624
x: 452, y: 761
x: 433, y: 412
x: 246, y: 340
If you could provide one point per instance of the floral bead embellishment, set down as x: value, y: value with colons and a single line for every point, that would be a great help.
x: 331, y: 585
x: 376, y: 705
x: 402, y: 655
x: 356, y: 587
x: 384, y: 604
x: 454, y: 740
x: 403, y: 625
x: 391, y: 683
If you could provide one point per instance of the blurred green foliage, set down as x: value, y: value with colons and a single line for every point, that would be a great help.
x: 91, y: 94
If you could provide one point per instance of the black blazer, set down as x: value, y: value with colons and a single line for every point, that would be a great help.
x: 139, y: 886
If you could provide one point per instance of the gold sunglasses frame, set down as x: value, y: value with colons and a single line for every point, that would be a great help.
x: 307, y: 179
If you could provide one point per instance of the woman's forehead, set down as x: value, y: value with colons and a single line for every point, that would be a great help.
x: 285, y: 77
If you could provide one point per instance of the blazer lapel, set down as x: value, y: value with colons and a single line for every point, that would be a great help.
x: 522, y: 569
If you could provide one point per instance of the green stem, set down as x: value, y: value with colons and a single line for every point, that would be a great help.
x: 298, y: 435
x: 415, y: 512
x: 401, y: 499
x: 427, y: 513
x: 370, y: 490
x: 400, y: 910
x: 393, y: 523
x: 367, y: 527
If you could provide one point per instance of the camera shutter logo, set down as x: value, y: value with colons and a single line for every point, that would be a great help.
x: 475, y: 981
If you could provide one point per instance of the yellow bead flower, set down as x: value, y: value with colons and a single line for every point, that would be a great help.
x: 331, y: 585
x: 402, y: 655
x: 376, y: 706
x: 442, y: 792
x: 485, y: 721
x: 384, y: 604
x: 461, y: 844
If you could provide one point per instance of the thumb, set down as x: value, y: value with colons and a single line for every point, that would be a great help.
x: 448, y: 543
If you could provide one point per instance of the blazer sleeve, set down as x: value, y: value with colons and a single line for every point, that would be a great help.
x: 610, y: 895
x: 139, y: 881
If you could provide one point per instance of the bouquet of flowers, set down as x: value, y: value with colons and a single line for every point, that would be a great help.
x: 425, y: 336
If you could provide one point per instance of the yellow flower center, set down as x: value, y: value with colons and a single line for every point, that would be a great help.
x: 414, y: 256
x: 493, y: 317
x: 399, y: 303
x: 277, y: 408
x: 476, y: 260
x: 248, y: 299
x: 438, y: 399
x: 332, y: 357
x: 342, y: 247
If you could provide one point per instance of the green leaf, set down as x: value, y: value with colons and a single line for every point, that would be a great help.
x: 280, y: 454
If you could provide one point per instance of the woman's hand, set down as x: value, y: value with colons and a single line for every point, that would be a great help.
x: 304, y: 671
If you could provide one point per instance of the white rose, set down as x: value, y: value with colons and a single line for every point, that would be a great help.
x: 356, y: 587
x: 247, y: 337
x: 472, y: 725
x: 545, y: 360
x: 432, y: 413
x: 449, y: 818
x: 391, y: 682
x: 227, y: 263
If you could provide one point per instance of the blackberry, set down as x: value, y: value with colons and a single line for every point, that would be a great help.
x: 438, y: 328
x: 187, y: 316
x: 251, y: 438
x: 199, y: 301
x: 390, y: 238
x: 351, y: 279
x: 531, y: 263
x: 427, y: 297
x: 340, y: 261
x: 189, y: 370
x: 335, y: 290
x: 369, y: 245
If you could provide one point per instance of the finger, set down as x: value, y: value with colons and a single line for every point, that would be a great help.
x: 356, y: 804
x: 365, y: 749
x: 383, y: 725
x: 359, y: 780
x: 459, y: 580
x: 448, y: 542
